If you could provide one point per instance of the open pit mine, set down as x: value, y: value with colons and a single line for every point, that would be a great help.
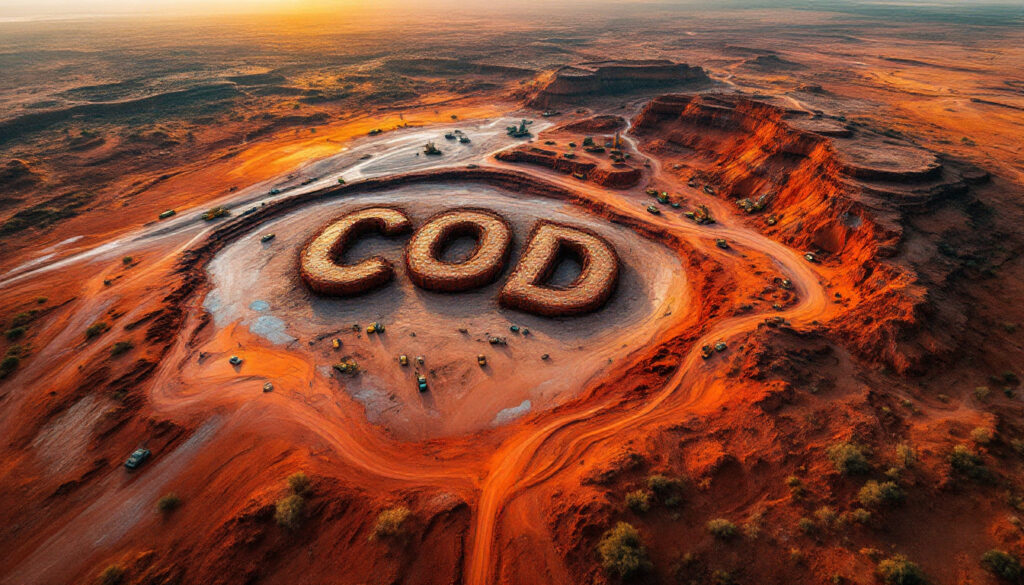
x: 575, y: 295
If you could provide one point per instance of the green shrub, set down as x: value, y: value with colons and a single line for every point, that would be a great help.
x: 126, y: 260
x: 667, y: 490
x: 112, y: 575
x: 826, y: 516
x: 861, y: 516
x: 168, y: 503
x: 15, y: 333
x: 1003, y: 565
x: 722, y: 528
x: 8, y: 365
x: 874, y: 494
x: 623, y: 552
x: 121, y: 347
x: 299, y: 483
x: 96, y: 329
x: 966, y: 462
x: 391, y: 522
x: 982, y: 435
x: 898, y: 570
x: 24, y: 318
x: 288, y: 511
x: 639, y: 501
x: 848, y: 458
x: 806, y: 525
x: 796, y: 487
x: 906, y: 456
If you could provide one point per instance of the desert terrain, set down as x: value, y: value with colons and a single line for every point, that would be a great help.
x: 803, y: 365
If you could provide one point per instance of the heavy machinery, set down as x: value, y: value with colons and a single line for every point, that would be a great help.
x: 431, y: 150
x: 421, y: 383
x: 137, y: 458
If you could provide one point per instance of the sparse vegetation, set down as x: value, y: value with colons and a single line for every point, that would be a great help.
x: 288, y: 511
x: 299, y: 483
x: 15, y: 333
x: 982, y: 435
x: 391, y: 522
x: 112, y: 575
x: 8, y: 365
x: 1002, y: 565
x: 906, y: 456
x: 849, y: 459
x: 796, y: 487
x: 667, y: 490
x: 826, y: 517
x: 639, y: 501
x: 121, y: 347
x: 966, y: 462
x: 126, y: 260
x: 96, y: 329
x: 168, y: 503
x: 623, y: 552
x: 722, y: 528
x: 875, y: 494
x: 898, y: 570
x: 806, y: 525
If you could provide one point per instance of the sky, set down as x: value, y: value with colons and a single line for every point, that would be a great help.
x: 13, y: 10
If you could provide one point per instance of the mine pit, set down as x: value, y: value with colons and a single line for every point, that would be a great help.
x: 257, y: 286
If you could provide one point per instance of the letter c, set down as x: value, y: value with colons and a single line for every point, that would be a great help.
x: 320, y: 260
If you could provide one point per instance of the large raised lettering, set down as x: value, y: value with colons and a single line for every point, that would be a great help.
x: 493, y: 240
x: 527, y: 288
x: 320, y: 261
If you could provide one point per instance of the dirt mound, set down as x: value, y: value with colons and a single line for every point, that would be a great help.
x: 615, y: 77
x: 772, y: 63
x: 604, y: 123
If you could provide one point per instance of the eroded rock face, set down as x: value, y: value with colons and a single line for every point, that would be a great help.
x: 422, y: 256
x: 618, y: 177
x: 527, y: 290
x: 320, y: 262
x: 611, y: 77
x: 837, y: 189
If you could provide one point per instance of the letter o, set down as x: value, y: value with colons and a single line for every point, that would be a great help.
x: 319, y: 261
x: 427, y: 270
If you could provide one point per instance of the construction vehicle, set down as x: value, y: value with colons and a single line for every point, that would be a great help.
x: 709, y: 189
x: 449, y: 136
x: 653, y: 210
x: 235, y: 360
x: 336, y: 343
x: 651, y: 191
x: 430, y: 149
x: 495, y: 340
x: 545, y: 357
x: 579, y: 176
x: 663, y: 198
x: 137, y: 458
x: 268, y: 387
x: 419, y: 360
x: 549, y: 113
x: 720, y: 346
x: 519, y: 131
x: 464, y: 139
x: 375, y: 327
x: 347, y: 366
x: 588, y: 141
x: 403, y: 360
x: 721, y: 243
x: 341, y: 180
x: 421, y: 383
x: 706, y: 351
x: 168, y: 213
x: 481, y: 360
x: 514, y: 328
x: 307, y: 180
x: 675, y: 205
x: 267, y: 237
x: 375, y: 131
x: 275, y: 191
x: 810, y: 257
x: 701, y: 215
